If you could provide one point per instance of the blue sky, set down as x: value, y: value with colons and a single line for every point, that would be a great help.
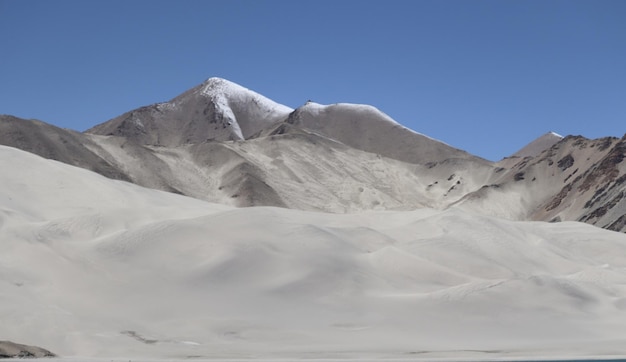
x: 484, y: 76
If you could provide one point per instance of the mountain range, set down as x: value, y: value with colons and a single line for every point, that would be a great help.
x: 223, y: 143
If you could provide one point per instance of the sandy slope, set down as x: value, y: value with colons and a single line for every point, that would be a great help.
x: 95, y: 267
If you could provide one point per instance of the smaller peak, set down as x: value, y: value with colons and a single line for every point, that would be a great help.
x: 552, y: 133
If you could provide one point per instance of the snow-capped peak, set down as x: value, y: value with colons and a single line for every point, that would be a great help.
x: 216, y: 87
x: 244, y: 110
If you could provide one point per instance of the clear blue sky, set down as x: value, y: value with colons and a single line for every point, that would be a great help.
x: 484, y: 76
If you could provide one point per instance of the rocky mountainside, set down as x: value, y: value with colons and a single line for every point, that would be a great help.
x: 575, y: 179
x: 593, y: 182
x: 223, y: 143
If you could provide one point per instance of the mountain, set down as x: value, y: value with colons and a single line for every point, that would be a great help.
x: 95, y: 268
x: 216, y: 110
x: 224, y: 143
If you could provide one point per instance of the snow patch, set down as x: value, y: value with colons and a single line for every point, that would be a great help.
x: 316, y: 109
x: 246, y: 111
x: 232, y: 92
x: 138, y: 123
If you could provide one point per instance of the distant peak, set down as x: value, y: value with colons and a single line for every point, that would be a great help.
x: 552, y: 133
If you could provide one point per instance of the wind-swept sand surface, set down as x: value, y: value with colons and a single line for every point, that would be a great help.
x: 93, y: 267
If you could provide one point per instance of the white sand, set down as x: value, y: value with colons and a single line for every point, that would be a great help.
x: 96, y: 268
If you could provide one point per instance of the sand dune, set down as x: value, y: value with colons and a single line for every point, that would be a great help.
x: 100, y: 268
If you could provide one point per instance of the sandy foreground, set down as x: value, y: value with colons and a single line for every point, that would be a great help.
x: 369, y: 359
x: 110, y: 271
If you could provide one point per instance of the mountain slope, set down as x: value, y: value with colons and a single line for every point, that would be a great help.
x: 55, y: 143
x: 96, y: 267
x: 295, y: 170
x: 264, y: 149
x: 298, y: 169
